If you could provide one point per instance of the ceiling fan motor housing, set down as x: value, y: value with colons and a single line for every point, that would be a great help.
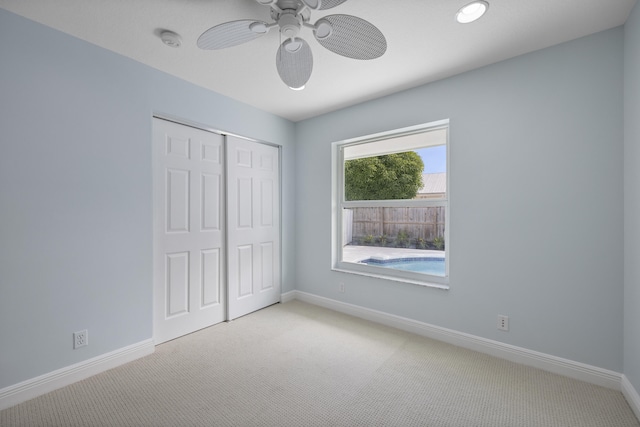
x: 289, y: 23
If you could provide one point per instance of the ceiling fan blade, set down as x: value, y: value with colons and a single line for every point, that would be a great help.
x: 354, y: 37
x: 328, y: 4
x: 294, y: 67
x: 231, y: 34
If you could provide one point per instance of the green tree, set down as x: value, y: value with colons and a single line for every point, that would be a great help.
x: 392, y: 176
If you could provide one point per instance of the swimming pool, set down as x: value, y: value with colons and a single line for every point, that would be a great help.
x: 434, y: 266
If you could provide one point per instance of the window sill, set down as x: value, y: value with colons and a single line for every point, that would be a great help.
x: 424, y: 283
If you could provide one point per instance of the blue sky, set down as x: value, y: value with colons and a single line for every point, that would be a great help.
x: 434, y: 158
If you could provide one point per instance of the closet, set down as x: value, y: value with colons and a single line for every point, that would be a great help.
x: 216, y: 215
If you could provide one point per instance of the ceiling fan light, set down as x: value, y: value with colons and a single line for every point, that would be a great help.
x: 290, y: 24
x: 323, y: 29
x: 313, y: 4
x: 472, y: 12
x: 266, y: 2
x: 297, y: 88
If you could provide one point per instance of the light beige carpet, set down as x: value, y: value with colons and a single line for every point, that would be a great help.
x: 295, y: 364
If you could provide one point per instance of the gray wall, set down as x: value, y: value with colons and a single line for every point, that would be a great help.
x: 537, y: 139
x: 75, y: 193
x: 632, y: 200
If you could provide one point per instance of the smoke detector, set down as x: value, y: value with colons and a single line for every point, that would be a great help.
x: 171, y: 39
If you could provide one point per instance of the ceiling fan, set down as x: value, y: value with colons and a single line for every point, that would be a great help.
x: 346, y: 35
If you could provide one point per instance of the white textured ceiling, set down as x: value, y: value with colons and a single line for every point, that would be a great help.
x: 424, y: 42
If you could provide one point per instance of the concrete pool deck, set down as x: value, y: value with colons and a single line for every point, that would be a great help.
x: 358, y: 253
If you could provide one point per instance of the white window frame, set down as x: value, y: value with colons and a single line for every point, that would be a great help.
x: 339, y: 203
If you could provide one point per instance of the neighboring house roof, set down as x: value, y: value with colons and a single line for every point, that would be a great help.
x: 433, y: 183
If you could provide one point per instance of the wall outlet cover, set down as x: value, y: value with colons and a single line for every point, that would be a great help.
x: 80, y: 339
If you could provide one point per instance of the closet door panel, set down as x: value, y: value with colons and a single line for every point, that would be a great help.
x: 189, y: 257
x: 253, y: 206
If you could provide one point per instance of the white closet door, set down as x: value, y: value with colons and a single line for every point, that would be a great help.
x: 189, y: 257
x: 253, y: 206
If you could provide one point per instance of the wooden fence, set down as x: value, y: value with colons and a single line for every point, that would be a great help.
x: 425, y: 223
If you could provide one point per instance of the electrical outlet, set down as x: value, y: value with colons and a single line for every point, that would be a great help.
x: 341, y: 287
x: 80, y: 339
x: 503, y: 323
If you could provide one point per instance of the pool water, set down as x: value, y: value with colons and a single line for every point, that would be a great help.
x: 433, y: 266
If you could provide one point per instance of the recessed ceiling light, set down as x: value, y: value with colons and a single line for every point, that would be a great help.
x: 472, y: 12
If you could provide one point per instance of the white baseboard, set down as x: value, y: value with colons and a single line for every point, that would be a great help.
x: 288, y: 296
x: 557, y: 365
x: 46, y: 383
x: 632, y: 396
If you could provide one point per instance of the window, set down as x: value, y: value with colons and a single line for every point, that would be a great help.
x: 391, y: 205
